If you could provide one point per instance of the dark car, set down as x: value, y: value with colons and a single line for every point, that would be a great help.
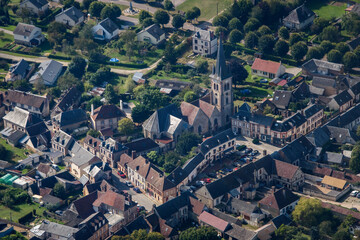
x: 137, y: 190
x: 248, y: 150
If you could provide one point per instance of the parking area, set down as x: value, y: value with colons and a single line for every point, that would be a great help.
x: 241, y: 140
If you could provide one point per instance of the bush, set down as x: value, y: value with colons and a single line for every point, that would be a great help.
x: 255, y: 141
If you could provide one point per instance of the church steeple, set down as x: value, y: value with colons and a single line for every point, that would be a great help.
x: 221, y: 71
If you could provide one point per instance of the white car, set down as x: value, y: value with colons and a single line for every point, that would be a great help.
x: 354, y: 193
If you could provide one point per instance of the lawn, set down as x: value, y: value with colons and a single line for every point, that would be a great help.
x: 327, y: 9
x: 16, y: 154
x: 19, y: 211
x: 255, y: 92
x: 5, y: 39
x: 208, y: 7
x: 150, y: 58
x: 9, y: 27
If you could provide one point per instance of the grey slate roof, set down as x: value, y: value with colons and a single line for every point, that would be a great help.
x: 280, y: 220
x: 22, y: 118
x: 70, y: 117
x: 341, y: 135
x: 253, y: 117
x: 155, y: 31
x: 141, y: 145
x: 73, y: 13
x: 245, y: 107
x: 20, y: 68
x: 332, y: 157
x: 206, y: 35
x: 296, y: 150
x: 68, y: 99
x: 356, y: 88
x: 312, y: 110
x: 282, y: 98
x: 80, y: 155
x: 299, y: 15
x: 108, y: 25
x: 319, y: 137
x: 314, y: 64
x: 24, y: 29
x: 57, y: 229
x: 221, y: 70
x: 172, y: 206
x: 217, y: 140
x: 38, y: 3
x: 343, y: 98
x: 172, y: 84
x: 346, y: 118
x: 48, y: 71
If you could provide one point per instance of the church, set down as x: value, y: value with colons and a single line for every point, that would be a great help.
x: 204, y: 115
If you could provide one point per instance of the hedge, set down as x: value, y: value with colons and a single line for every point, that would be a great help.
x: 21, y: 52
x: 130, y: 65
x: 43, y: 23
x: 59, y: 57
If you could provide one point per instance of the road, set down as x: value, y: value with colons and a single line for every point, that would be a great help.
x: 6, y: 31
x: 140, y: 198
x: 133, y: 21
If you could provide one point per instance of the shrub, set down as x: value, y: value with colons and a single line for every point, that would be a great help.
x: 255, y: 141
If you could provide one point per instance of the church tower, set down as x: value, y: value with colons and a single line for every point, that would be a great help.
x: 221, y: 87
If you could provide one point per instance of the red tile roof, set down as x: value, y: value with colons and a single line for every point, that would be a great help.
x: 341, y: 210
x: 107, y: 112
x: 285, y: 170
x: 112, y: 199
x: 197, y: 207
x: 213, y: 221
x: 323, y: 171
x: 124, y: 159
x: 265, y: 66
x: 282, y: 83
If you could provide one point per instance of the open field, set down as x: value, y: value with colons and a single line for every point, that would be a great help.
x: 328, y: 9
x: 207, y: 7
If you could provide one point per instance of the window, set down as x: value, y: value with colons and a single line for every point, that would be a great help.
x: 196, y: 48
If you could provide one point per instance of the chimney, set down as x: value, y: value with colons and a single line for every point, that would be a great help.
x: 133, y: 154
x: 121, y: 104
x: 92, y: 109
x: 273, y: 189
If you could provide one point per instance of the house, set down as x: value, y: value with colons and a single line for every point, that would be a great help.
x: 20, y: 70
x: 341, y: 135
x: 334, y: 158
x: 282, y: 99
x: 341, y: 102
x: 94, y: 227
x: 142, y: 146
x: 97, y: 172
x: 45, y: 170
x: 70, y: 17
x: 288, y: 175
x: 314, y: 115
x: 320, y: 68
x: 49, y: 72
x: 299, y: 18
x: 36, y: 104
x: 282, y: 201
x: 269, y: 69
x: 105, y: 30
x: 334, y: 183
x: 48, y: 230
x: 281, y: 220
x: 62, y: 142
x: 174, y: 86
x: 69, y: 120
x: 27, y: 34
x: 204, y: 42
x: 80, y: 159
x: 349, y: 119
x: 106, y: 117
x: 152, y: 34
x: 110, y: 151
x: 138, y: 78
x: 38, y: 7
x: 69, y: 100
x: 251, y: 213
x: 92, y: 145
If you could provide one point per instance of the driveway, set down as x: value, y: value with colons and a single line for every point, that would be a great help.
x: 294, y: 70
x: 140, y: 198
x: 241, y: 140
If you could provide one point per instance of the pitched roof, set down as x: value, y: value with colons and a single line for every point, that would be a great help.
x: 44, y: 168
x: 57, y: 229
x: 108, y: 25
x: 107, y: 112
x: 68, y: 99
x: 282, y: 98
x: 311, y: 110
x: 166, y: 210
x: 73, y: 13
x: 343, y: 97
x: 154, y: 30
x: 265, y: 66
x: 70, y: 117
x: 240, y: 233
x: 254, y: 117
x: 334, y: 182
x: 280, y: 220
x: 206, y: 35
x: 285, y: 170
x: 341, y: 135
x: 111, y: 199
x: 93, y: 142
x: 20, y: 68
x: 314, y: 65
x: 221, y: 70
x: 341, y: 210
x: 353, y: 43
x: 332, y: 157
x: 83, y: 206
x: 196, y: 206
x: 299, y: 15
x: 80, y: 155
x: 48, y: 71
x: 296, y: 150
x: 217, y: 140
x: 172, y: 84
x: 280, y: 199
x: 23, y: 118
x: 141, y: 145
x: 124, y: 159
x: 242, y: 206
x: 346, y: 118
x: 25, y: 98
x: 37, y: 3
x: 245, y: 107
x: 213, y: 221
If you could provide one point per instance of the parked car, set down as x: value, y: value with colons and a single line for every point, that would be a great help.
x: 193, y: 187
x: 354, y: 193
x: 136, y: 189
x: 59, y: 212
x: 358, y: 195
x: 228, y: 169
x: 129, y: 184
x: 206, y: 180
x: 248, y: 150
x: 263, y: 80
x: 199, y: 183
x: 121, y: 174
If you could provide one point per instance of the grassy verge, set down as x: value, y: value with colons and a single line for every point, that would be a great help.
x: 19, y: 211
x: 208, y: 8
x: 15, y: 154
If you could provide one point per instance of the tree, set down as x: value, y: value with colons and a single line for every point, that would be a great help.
x: 235, y: 10
x: 284, y: 33
x: 355, y: 159
x: 126, y: 126
x: 315, y: 52
x: 351, y: 23
x: 56, y: 33
x: 178, y: 21
x: 190, y: 15
x: 202, y: 66
x: 350, y: 60
x: 238, y: 72
x: 299, y: 50
x: 77, y: 66
x: 251, y: 40
x: 245, y: 9
x: 334, y: 56
x: 168, y: 5
x: 266, y: 43
x: 25, y: 14
x: 8, y: 201
x: 128, y: 37
x: 3, y: 151
x: 309, y: 212
x: 281, y: 48
x: 96, y: 8
x: 22, y: 85
x: 326, y: 46
x: 358, y: 131
x: 169, y: 54
x: 235, y: 36
x: 294, y: 38
x: 220, y: 20
x: 140, y: 113
x: 326, y: 228
x: 129, y: 85
x: 199, y: 233
x: 67, y: 81
x: 161, y: 17
x: 264, y: 30
x: 342, y: 47
x: 342, y: 235
x: 100, y: 76
x: 110, y: 11
x: 93, y: 133
x: 235, y: 24
x: 196, y: 12
x: 190, y: 96
x: 252, y: 25
x: 59, y: 191
x: 330, y: 33
x: 144, y: 15
x: 147, y: 22
x: 109, y: 93
x: 318, y: 25
x: 86, y: 4
x: 286, y: 232
x: 221, y: 32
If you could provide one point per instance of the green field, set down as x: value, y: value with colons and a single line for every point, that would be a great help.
x: 5, y: 39
x: 208, y: 7
x: 328, y: 9
x: 15, y: 154
x: 19, y: 211
x: 255, y: 92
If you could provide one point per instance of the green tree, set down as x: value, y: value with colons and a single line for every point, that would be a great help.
x: 318, y: 25
x: 266, y: 43
x: 351, y: 23
x: 235, y: 10
x: 96, y: 8
x: 355, y: 159
x: 110, y: 11
x: 326, y: 46
x: 161, y: 17
x: 59, y: 191
x: 245, y: 9
x: 252, y: 25
x: 67, y: 81
x: 342, y: 235
x: 281, y: 48
x: 350, y: 60
x: 8, y: 201
x: 220, y: 20
x: 235, y: 23
x: 326, y: 228
x: 238, y: 72
x: 315, y: 52
x: 190, y: 96
x: 178, y: 21
x: 22, y: 85
x: 147, y: 22
x: 299, y: 50
x: 221, y: 32
x: 56, y: 33
x: 264, y: 30
x: 334, y: 56
x: 190, y: 15
x: 100, y: 76
x: 152, y: 156
x: 251, y: 40
x: 196, y: 12
x: 294, y: 38
x: 144, y: 15
x: 202, y: 66
x: 169, y: 54
x: 93, y: 133
x: 77, y: 66
x: 235, y: 36
x: 109, y: 94
x: 330, y: 33
x: 86, y: 4
x: 342, y: 47
x: 199, y: 233
x: 309, y: 212
x: 126, y: 126
x: 286, y: 232
x: 140, y: 113
x: 168, y: 5
x: 284, y: 33
x: 186, y: 142
x: 129, y: 85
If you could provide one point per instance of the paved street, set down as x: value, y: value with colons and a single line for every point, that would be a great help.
x: 241, y: 140
x: 140, y: 198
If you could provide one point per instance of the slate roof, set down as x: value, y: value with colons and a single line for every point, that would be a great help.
x: 316, y: 90
x: 112, y: 145
x: 332, y: 157
x: 221, y: 70
x: 254, y: 117
x: 80, y: 155
x: 296, y: 150
x: 280, y: 220
x: 73, y: 13
x: 299, y: 15
x: 343, y: 98
x: 70, y: 117
x: 311, y: 110
x: 172, y: 84
x: 107, y: 112
x: 296, y: 120
x: 20, y: 68
x: 323, y: 82
x: 93, y: 142
x: 356, y: 88
x: 319, y: 137
x: 240, y: 233
x: 68, y: 99
x: 314, y: 65
x: 48, y: 71
x: 57, y: 229
x: 22, y: 118
x: 282, y: 98
x: 25, y: 98
x: 155, y: 31
x: 141, y: 145
x: 137, y: 224
x: 206, y: 35
x: 265, y: 66
x: 280, y: 199
x: 83, y: 206
x: 346, y: 118
x: 341, y: 135
x: 167, y: 209
x: 38, y: 3
x: 62, y: 138
x: 159, y: 120
x: 24, y: 29
x: 242, y: 206
x: 302, y: 91
x: 245, y: 107
x: 217, y: 140
x: 108, y: 25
